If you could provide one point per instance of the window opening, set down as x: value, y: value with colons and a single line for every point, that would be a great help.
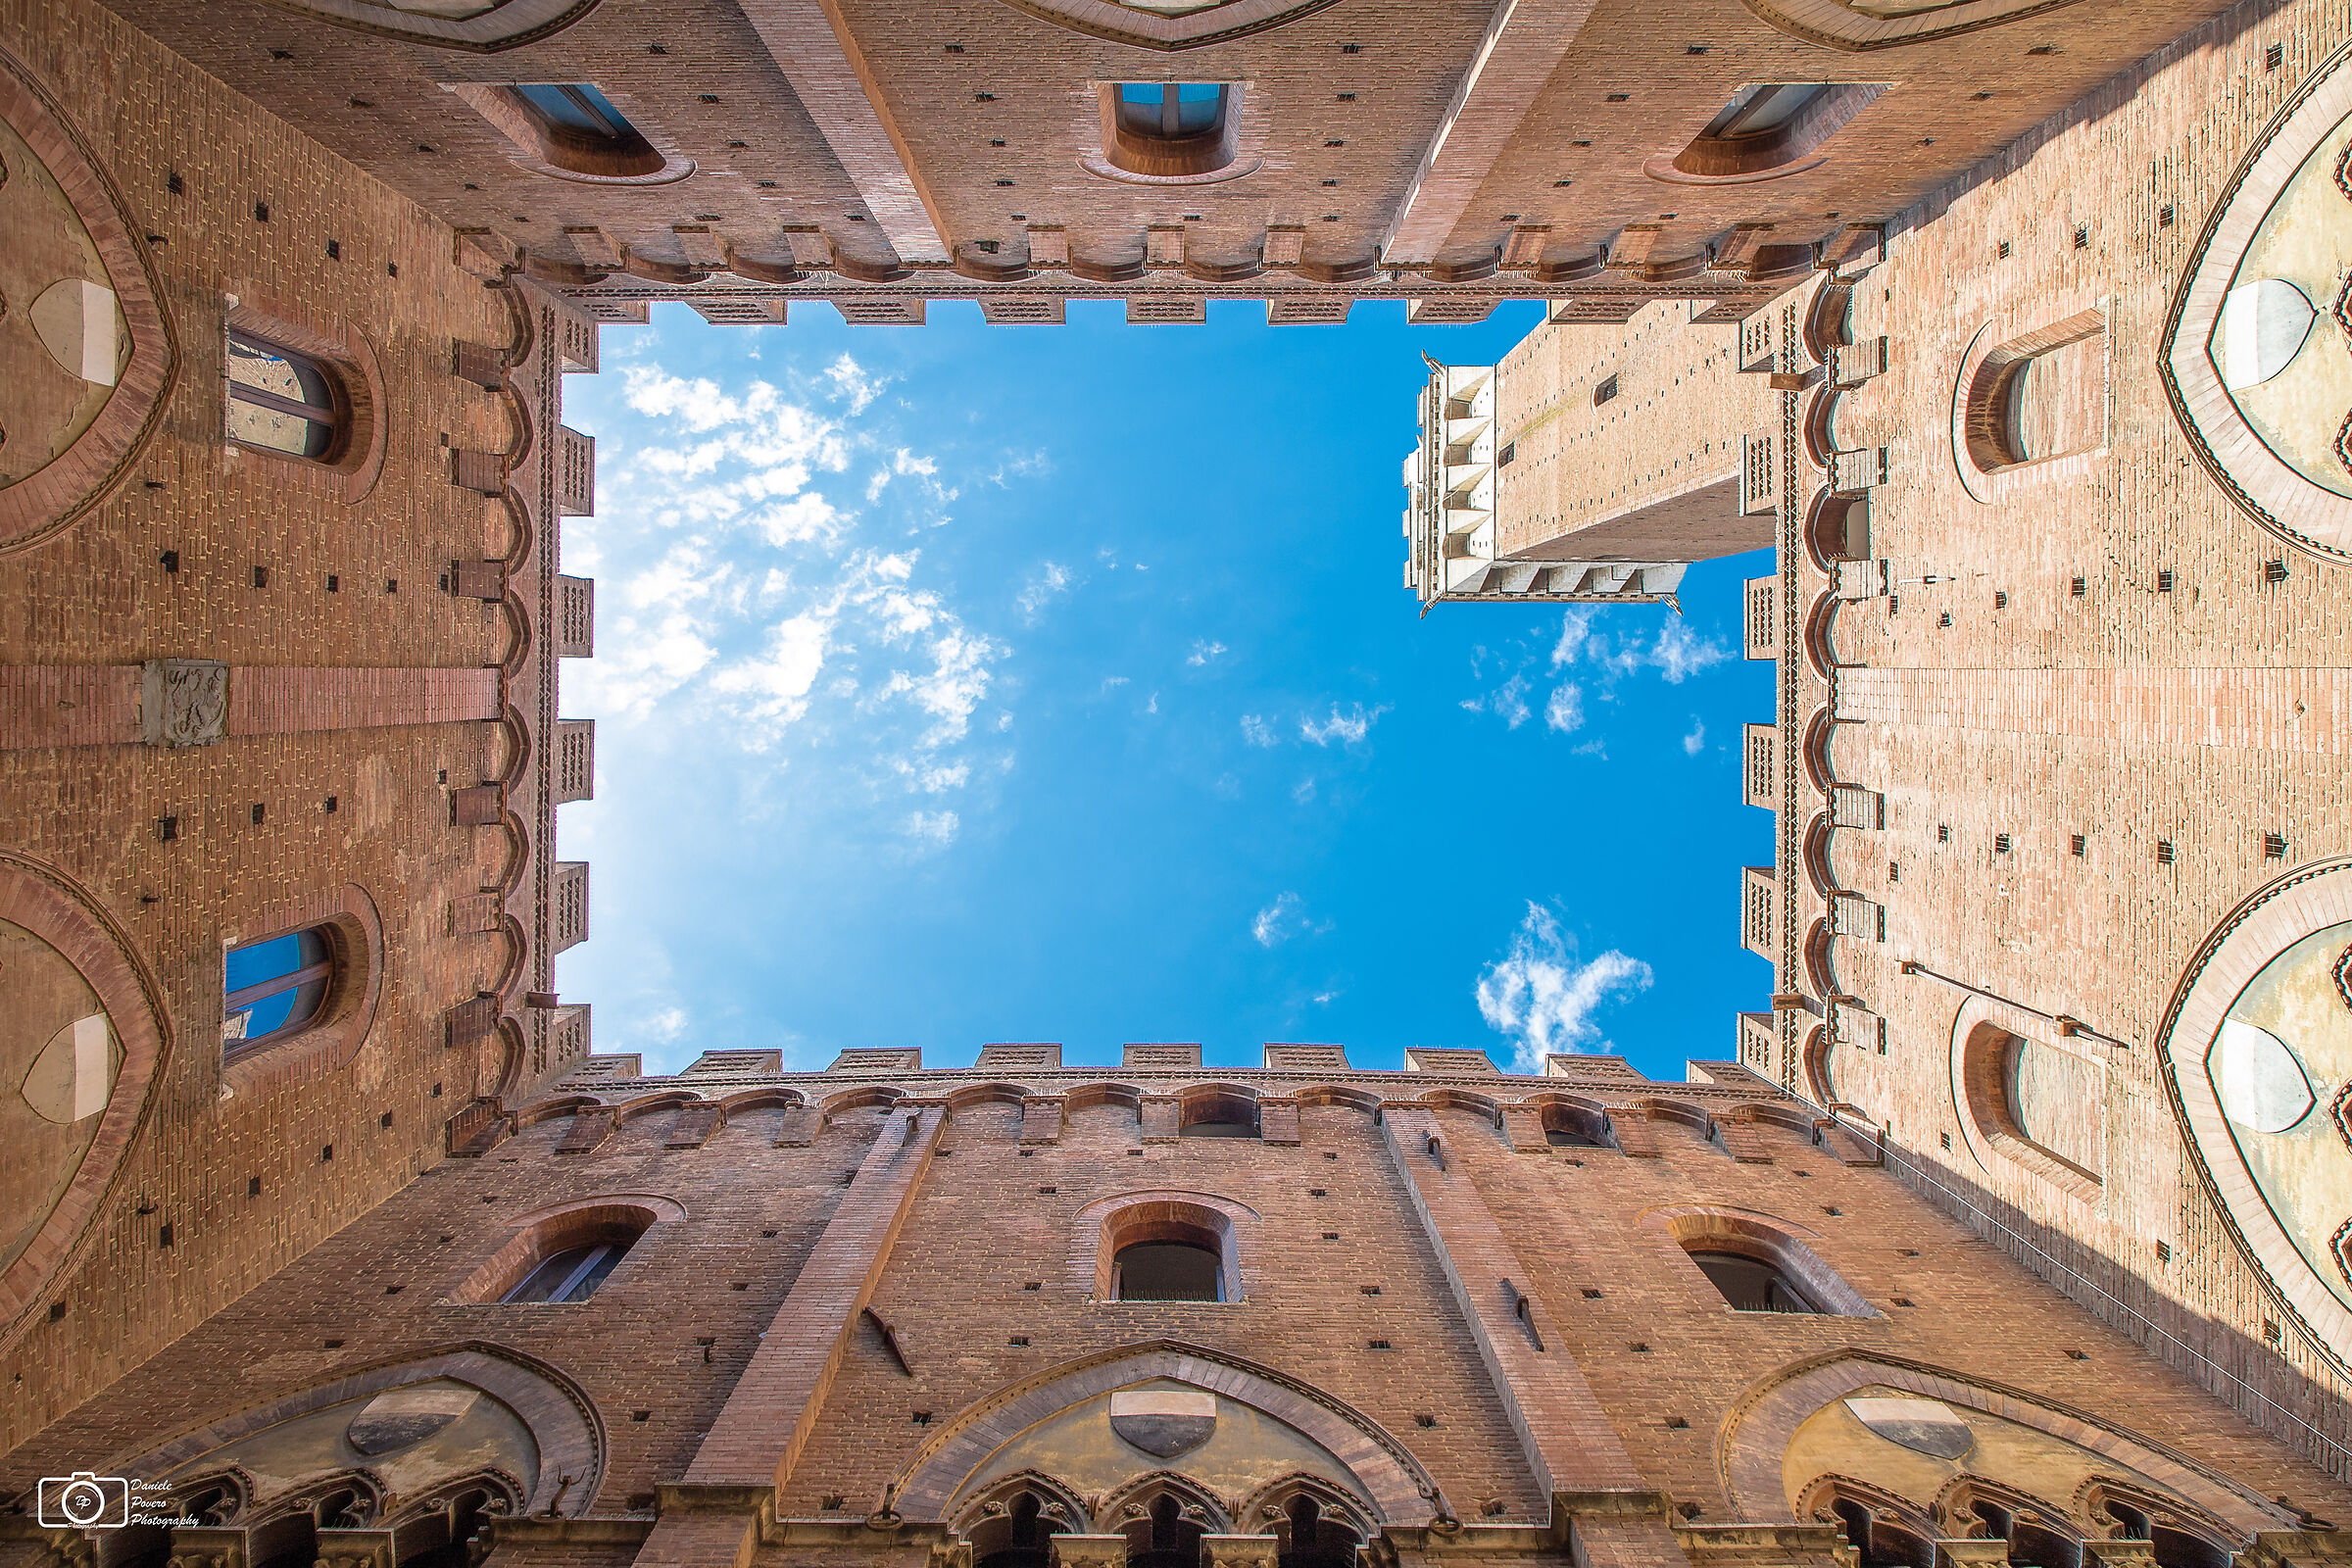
x: 571, y: 1275
x: 1316, y: 1542
x: 1175, y: 1541
x: 1025, y: 1532
x: 1167, y: 1272
x: 1171, y: 109
x: 1751, y: 1285
x: 1567, y: 1137
x: 1771, y: 126
x: 282, y: 401
x: 276, y: 987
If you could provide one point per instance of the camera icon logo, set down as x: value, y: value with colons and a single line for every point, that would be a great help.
x: 85, y: 1501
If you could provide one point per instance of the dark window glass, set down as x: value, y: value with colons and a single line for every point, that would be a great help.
x: 1218, y: 1129
x: 1168, y: 1271
x: 1568, y: 1138
x: 1751, y: 1285
x: 571, y: 1275
x: 271, y: 988
x: 1021, y: 1540
x: 577, y: 109
x: 1171, y: 109
x: 282, y: 401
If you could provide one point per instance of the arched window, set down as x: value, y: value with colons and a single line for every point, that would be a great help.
x: 1173, y: 1270
x: 282, y: 401
x: 573, y: 1274
x: 1169, y: 129
x: 1881, y: 1542
x: 1772, y: 127
x: 573, y: 131
x: 1166, y: 1537
x: 580, y: 131
x: 1218, y: 1115
x: 1751, y: 1284
x: 1018, y: 1538
x: 1315, y: 1540
x: 2041, y: 1106
x: 276, y: 987
x: 2040, y: 396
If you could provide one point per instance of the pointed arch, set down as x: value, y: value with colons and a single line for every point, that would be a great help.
x: 1761, y: 1423
x: 1393, y: 1481
x: 966, y: 1095
x: 1101, y: 1092
x: 1352, y: 1098
x: 1133, y: 1505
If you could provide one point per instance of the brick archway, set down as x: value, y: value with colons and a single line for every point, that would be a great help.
x: 1761, y: 1424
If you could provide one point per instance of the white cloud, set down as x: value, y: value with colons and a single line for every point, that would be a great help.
x: 1273, y: 922
x: 1284, y: 918
x: 1573, y: 625
x: 1541, y: 996
x: 1051, y: 581
x: 1566, y: 711
x: 934, y: 828
x: 1257, y: 732
x: 850, y: 381
x: 666, y: 1025
x: 1680, y: 652
x: 1346, y: 728
x: 1697, y: 738
x: 1305, y: 790
x: 1506, y: 702
x: 1203, y: 652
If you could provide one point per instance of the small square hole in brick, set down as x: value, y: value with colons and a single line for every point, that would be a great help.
x: 2000, y: 600
x: 1676, y: 1423
x: 1034, y: 1284
x: 1944, y: 833
x: 334, y: 250
x: 1318, y: 1191
x: 2274, y: 571
x: 2077, y: 846
x: 2000, y: 844
x: 334, y: 585
x: 2164, y: 580
x: 1910, y: 1252
x: 331, y: 1344
x: 384, y: 1121
x: 2270, y: 1332
x: 1019, y: 1340
x: 391, y: 585
x: 394, y: 1290
x: 1378, y: 1345
x: 1424, y: 1419
x: 2003, y: 249
x: 1330, y: 1236
x: 1369, y: 1290
x: 2081, y: 236
x: 768, y: 1235
x: 921, y: 1418
x: 2164, y: 854
x: 830, y: 1501
x: 1049, y: 1190
x: 326, y: 1152
x: 2273, y: 846
x: 2164, y: 215
x: 1904, y: 1300
x: 1137, y: 1153
x: 2164, y: 1251
x: 57, y: 1311
x: 639, y: 1501
x: 641, y: 1415
x: 253, y: 1187
x: 257, y: 812
x: 261, y: 576
x: 1944, y: 619
x: 1639, y: 1348
x: 1621, y: 98
x: 2274, y: 57
x: 1590, y: 1294
x: 740, y: 1285
x: 2078, y: 1356
x: 2077, y: 588
x: 1831, y: 1209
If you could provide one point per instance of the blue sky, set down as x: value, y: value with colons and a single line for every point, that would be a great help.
x: 960, y: 684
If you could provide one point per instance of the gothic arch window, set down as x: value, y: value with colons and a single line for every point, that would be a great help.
x: 1016, y: 1532
x: 1170, y: 129
x: 276, y: 987
x: 1883, y: 1533
x: 2042, y: 1108
x: 1767, y: 129
x: 1164, y: 1518
x: 283, y: 401
x: 1313, y: 1537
